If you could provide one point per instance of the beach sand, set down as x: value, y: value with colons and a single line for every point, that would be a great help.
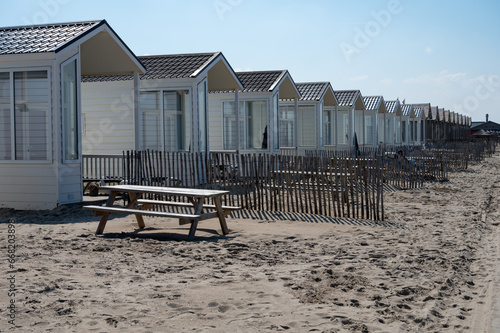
x: 433, y: 266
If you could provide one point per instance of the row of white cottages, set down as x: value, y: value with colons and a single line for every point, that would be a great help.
x: 75, y: 88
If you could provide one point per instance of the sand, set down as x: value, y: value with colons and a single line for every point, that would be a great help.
x: 433, y: 266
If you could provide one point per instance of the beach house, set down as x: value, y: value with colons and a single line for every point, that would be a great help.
x: 375, y: 107
x: 172, y: 112
x: 407, y: 123
x: 422, y: 111
x: 315, y: 125
x: 258, y: 114
x: 350, y: 119
x: 393, y: 122
x: 40, y: 106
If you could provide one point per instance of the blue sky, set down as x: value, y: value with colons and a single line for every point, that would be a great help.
x: 446, y: 52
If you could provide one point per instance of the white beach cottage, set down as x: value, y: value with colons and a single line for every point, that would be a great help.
x: 375, y: 106
x: 40, y: 106
x: 406, y: 124
x: 313, y: 126
x: 173, y: 105
x: 393, y: 123
x: 258, y: 112
x: 350, y: 122
x: 422, y: 112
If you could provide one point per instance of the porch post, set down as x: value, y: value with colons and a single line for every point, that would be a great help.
x: 336, y: 126
x: 138, y: 143
x: 296, y: 106
x: 237, y: 109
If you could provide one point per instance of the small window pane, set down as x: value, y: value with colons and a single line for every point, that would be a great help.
x: 150, y: 120
x: 257, y: 133
x: 31, y: 101
x: 5, y: 121
x: 70, y: 111
x: 307, y: 126
x: 287, y: 126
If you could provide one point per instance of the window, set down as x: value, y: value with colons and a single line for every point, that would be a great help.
x: 369, y: 129
x: 176, y: 122
x: 307, y: 126
x: 5, y: 118
x: 359, y: 126
x: 389, y: 129
x: 287, y: 125
x: 253, y: 125
x: 70, y: 111
x: 403, y: 131
x: 24, y: 116
x: 165, y: 120
x: 327, y: 128
x: 343, y: 127
x: 150, y: 120
x: 229, y: 127
x: 256, y: 117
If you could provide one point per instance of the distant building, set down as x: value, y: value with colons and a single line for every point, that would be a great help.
x: 485, y: 126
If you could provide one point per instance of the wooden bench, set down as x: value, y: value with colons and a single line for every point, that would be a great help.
x: 147, y: 204
x: 120, y: 210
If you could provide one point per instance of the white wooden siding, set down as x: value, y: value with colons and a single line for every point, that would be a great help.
x: 108, y: 109
x: 28, y: 186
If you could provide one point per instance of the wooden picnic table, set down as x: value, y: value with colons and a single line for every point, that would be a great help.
x: 198, y: 201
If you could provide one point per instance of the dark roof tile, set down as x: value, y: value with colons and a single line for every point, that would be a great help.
x: 41, y: 38
x: 372, y: 102
x: 391, y: 106
x: 346, y: 97
x: 311, y: 91
x: 164, y: 66
x: 259, y: 81
x: 406, y: 108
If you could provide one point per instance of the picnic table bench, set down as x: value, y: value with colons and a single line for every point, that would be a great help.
x: 198, y: 200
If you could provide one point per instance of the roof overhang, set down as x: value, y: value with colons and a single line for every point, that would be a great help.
x: 221, y: 76
x: 358, y: 103
x: 286, y: 86
x: 381, y: 106
x: 329, y: 98
x: 399, y: 110
x: 102, y: 52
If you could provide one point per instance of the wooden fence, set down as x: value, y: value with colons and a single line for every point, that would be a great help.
x: 332, y: 187
x: 331, y: 183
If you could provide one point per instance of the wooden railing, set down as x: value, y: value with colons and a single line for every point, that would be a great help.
x: 102, y: 167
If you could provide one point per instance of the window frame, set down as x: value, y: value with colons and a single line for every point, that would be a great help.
x: 244, y: 116
x: 49, y: 115
x: 78, y: 111
x: 161, y: 107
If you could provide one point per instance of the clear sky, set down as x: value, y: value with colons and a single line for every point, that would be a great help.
x: 445, y: 52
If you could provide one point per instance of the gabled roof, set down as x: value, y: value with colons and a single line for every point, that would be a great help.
x: 394, y: 107
x: 165, y: 66
x: 426, y: 108
x: 441, y: 114
x: 314, y: 91
x: 407, y: 110
x: 268, y: 81
x: 434, y: 114
x: 447, y: 116
x: 490, y: 126
x: 350, y: 98
x: 174, y: 66
x: 102, y: 51
x: 42, y: 38
x: 419, y: 111
x: 375, y: 103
